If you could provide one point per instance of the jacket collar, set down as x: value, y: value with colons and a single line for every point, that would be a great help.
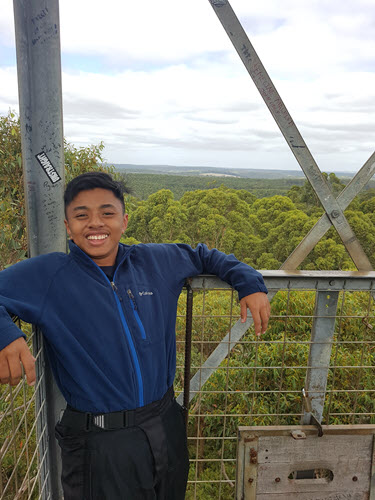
x: 87, y: 263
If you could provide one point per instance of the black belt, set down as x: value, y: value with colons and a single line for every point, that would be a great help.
x: 84, y: 421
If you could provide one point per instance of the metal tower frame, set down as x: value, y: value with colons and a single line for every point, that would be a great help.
x: 326, y: 303
x: 39, y: 79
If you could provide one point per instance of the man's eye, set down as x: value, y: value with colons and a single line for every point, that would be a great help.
x: 108, y: 213
x: 80, y: 216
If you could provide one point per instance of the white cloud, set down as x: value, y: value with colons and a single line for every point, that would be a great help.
x: 144, y: 30
x: 7, y: 24
x: 8, y: 89
x: 160, y: 82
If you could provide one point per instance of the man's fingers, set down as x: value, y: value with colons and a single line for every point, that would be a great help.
x: 260, y: 309
x: 256, y: 318
x: 28, y: 362
x: 265, y: 314
x: 257, y: 322
x: 11, y: 357
x: 4, y: 371
x: 15, y: 369
x: 243, y: 311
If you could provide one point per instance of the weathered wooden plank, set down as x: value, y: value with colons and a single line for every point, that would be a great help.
x: 315, y: 496
x: 271, y: 455
x: 309, y: 430
x: 285, y: 449
x: 273, y: 478
x: 250, y: 468
x: 240, y: 494
x: 372, y: 481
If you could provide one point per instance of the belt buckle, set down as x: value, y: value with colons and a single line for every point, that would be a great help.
x: 99, y: 421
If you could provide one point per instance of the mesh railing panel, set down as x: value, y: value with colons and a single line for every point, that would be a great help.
x: 260, y: 381
x: 22, y: 458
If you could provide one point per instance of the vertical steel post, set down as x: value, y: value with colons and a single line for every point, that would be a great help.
x: 40, y: 100
x: 320, y: 353
x: 189, y: 329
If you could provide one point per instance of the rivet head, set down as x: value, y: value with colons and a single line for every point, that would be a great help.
x: 335, y: 214
x: 277, y: 480
x: 355, y: 478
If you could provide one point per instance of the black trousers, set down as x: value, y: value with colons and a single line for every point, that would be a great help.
x: 140, y: 462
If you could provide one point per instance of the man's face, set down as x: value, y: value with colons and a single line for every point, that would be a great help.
x: 95, y: 221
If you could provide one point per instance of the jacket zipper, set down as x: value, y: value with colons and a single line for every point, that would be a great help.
x: 129, y: 338
x: 135, y: 311
x: 133, y: 352
x: 131, y: 345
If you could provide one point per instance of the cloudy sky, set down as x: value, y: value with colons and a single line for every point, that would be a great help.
x: 160, y: 82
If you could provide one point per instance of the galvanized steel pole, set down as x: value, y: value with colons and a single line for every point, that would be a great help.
x: 40, y: 101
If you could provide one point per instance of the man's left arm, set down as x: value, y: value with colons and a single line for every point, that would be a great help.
x: 246, y: 280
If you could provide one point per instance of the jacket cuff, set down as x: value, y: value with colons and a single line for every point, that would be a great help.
x: 9, y: 335
x: 257, y: 287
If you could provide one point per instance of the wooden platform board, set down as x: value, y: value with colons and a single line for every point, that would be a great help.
x: 273, y: 462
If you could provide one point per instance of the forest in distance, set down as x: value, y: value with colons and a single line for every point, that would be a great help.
x: 261, y: 221
x: 146, y: 180
x: 144, y: 184
x: 259, y: 225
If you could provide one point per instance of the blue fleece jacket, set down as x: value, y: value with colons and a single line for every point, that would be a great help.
x: 111, y: 345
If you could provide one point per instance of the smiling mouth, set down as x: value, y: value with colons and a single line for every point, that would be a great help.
x: 97, y: 236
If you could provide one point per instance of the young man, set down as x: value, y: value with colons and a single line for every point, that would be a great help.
x: 107, y: 312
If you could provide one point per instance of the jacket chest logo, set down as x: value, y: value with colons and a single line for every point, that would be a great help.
x: 142, y: 293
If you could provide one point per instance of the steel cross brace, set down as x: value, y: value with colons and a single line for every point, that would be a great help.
x: 333, y: 207
x: 290, y: 132
x: 321, y: 227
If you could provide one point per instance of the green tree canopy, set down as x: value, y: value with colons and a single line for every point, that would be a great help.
x: 12, y: 199
x: 261, y: 232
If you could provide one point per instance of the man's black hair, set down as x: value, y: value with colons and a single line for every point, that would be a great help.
x: 93, y: 180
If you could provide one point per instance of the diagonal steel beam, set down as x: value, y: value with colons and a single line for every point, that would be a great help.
x: 321, y: 227
x: 289, y: 130
x: 311, y: 170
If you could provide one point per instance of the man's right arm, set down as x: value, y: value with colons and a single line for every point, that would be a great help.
x: 23, y: 288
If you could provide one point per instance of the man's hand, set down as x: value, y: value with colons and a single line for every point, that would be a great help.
x: 11, y: 358
x: 260, y: 309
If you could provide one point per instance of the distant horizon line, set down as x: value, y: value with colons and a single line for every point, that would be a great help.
x: 163, y: 165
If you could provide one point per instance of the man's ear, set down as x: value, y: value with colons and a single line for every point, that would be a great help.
x: 125, y: 222
x: 67, y: 228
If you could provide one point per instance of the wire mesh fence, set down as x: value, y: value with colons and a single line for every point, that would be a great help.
x: 258, y: 382
x: 23, y: 457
